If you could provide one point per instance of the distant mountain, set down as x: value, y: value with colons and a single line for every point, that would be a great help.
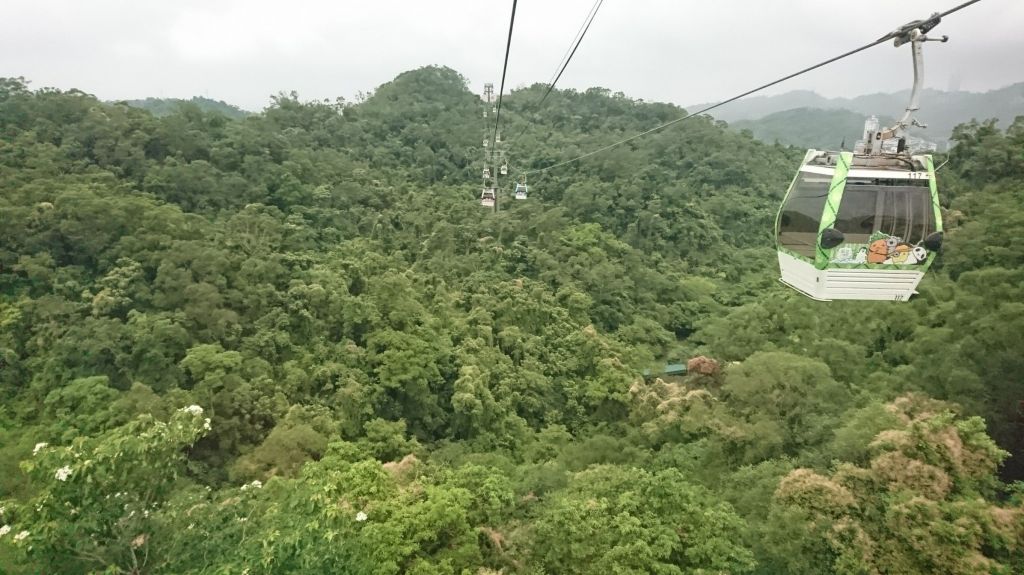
x: 167, y: 106
x: 809, y: 127
x: 942, y: 111
x: 757, y: 107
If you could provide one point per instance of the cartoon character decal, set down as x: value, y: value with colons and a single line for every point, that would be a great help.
x: 845, y: 255
x: 878, y: 251
x: 899, y: 254
x: 881, y: 249
x: 917, y: 255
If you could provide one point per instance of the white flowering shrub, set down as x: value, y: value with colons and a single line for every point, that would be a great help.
x: 346, y: 513
x: 102, y: 493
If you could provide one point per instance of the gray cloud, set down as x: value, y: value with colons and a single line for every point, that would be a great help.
x: 684, y: 51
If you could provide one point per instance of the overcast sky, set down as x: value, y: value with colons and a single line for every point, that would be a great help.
x: 681, y: 51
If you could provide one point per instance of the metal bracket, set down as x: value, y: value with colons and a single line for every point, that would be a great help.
x: 912, y: 33
x: 902, y: 35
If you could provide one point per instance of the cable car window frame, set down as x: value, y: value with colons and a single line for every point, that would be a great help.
x: 806, y: 197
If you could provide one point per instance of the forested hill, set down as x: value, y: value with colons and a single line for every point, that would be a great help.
x: 947, y: 107
x: 166, y: 106
x: 294, y: 342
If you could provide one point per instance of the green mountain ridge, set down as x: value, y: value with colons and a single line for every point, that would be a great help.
x: 941, y: 111
x: 166, y: 106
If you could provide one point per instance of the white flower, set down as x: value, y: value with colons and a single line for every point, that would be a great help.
x: 5, y: 530
x: 360, y: 516
x: 193, y: 409
x: 39, y: 447
x: 256, y: 484
x: 63, y: 473
x: 21, y: 535
x: 206, y: 424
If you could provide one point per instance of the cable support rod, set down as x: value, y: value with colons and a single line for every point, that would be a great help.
x: 892, y: 35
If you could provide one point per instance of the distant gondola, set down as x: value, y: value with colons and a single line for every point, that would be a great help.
x: 521, y: 192
x: 488, y: 197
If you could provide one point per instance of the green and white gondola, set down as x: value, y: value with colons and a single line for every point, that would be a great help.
x: 861, y: 227
x: 865, y: 225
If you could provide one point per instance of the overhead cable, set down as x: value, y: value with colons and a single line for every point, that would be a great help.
x: 567, y: 57
x: 501, y: 90
x: 587, y: 23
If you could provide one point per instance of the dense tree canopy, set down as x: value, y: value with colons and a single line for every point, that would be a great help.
x: 293, y: 342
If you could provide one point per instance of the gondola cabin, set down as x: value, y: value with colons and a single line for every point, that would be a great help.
x: 861, y: 227
x: 521, y: 192
x: 488, y: 197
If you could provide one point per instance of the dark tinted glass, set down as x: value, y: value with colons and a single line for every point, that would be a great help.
x: 897, y: 208
x: 857, y: 211
x: 801, y: 215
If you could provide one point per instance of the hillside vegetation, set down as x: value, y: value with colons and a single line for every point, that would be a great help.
x: 295, y: 343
